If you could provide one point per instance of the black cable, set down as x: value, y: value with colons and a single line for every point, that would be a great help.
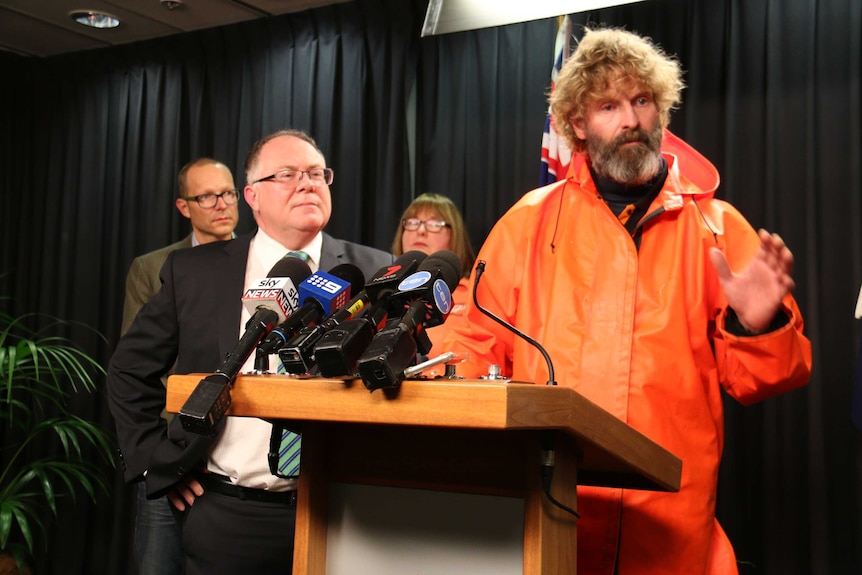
x: 548, y: 471
x: 547, y: 464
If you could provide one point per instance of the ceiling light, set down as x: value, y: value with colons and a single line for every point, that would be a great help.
x: 445, y: 16
x: 94, y: 19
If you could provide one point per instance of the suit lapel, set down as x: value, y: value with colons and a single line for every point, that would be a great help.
x: 331, y: 253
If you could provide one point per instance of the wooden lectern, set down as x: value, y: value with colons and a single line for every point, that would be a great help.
x: 450, y: 435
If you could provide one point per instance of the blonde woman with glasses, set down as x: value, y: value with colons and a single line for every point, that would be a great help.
x: 429, y: 224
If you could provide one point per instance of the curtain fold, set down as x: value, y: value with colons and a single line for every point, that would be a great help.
x: 481, y: 107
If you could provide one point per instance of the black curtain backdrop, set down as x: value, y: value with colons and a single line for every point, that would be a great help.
x: 90, y: 144
x: 481, y: 108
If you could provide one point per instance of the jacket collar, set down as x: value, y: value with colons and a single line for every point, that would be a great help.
x: 689, y: 173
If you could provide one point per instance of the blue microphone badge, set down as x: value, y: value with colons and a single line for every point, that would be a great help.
x: 414, y: 281
x: 442, y: 297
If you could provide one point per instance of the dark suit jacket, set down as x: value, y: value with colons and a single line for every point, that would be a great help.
x: 194, y: 319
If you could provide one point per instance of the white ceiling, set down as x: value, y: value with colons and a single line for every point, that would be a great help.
x: 44, y: 28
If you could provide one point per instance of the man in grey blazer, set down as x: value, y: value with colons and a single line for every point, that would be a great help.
x: 243, y: 522
x: 208, y: 198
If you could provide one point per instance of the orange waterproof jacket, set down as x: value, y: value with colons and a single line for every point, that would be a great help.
x: 641, y: 334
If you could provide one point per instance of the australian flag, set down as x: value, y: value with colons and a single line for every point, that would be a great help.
x: 856, y: 411
x: 556, y: 155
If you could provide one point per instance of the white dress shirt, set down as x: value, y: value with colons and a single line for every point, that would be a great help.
x: 240, y: 451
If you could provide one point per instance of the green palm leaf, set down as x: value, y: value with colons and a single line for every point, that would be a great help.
x: 39, y: 373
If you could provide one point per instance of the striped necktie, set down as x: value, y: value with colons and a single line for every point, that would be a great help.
x: 291, y: 443
x: 298, y: 254
x: 288, y: 449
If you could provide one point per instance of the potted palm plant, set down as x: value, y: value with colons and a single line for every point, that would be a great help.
x: 47, y: 452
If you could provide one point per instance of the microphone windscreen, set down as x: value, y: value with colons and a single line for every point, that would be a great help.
x: 277, y: 291
x: 290, y: 267
x: 352, y: 274
x: 411, y: 256
x: 449, y: 265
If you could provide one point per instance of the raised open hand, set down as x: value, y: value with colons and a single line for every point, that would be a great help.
x: 755, y: 292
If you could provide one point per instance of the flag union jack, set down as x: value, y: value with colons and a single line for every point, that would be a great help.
x: 556, y: 155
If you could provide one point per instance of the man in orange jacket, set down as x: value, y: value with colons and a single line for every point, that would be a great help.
x: 650, y: 295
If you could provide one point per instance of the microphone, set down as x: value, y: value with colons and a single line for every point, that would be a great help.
x: 318, y: 293
x: 277, y: 291
x: 347, y: 336
x: 385, y: 282
x: 268, y: 301
x: 427, y: 295
x: 441, y: 269
x: 480, y: 269
x: 207, y: 404
x: 548, y: 436
x: 297, y: 353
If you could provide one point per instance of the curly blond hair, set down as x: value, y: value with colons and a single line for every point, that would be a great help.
x: 606, y: 55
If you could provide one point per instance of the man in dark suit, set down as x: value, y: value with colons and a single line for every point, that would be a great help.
x: 208, y: 198
x: 237, y: 516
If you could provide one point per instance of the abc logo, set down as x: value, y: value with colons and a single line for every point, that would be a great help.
x: 414, y: 281
x: 442, y: 297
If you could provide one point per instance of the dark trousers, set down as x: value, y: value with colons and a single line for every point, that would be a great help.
x: 225, y: 535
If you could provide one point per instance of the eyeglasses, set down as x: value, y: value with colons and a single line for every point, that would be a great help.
x: 432, y: 226
x: 291, y: 177
x: 210, y: 200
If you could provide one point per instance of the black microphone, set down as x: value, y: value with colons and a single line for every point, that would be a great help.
x: 442, y: 268
x: 297, y: 354
x: 209, y: 401
x: 267, y: 301
x: 427, y: 301
x: 318, y: 294
x: 278, y: 291
x: 347, y: 337
x: 385, y: 282
x: 548, y: 436
x: 480, y: 269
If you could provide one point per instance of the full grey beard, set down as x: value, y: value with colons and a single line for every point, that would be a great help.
x: 632, y: 165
